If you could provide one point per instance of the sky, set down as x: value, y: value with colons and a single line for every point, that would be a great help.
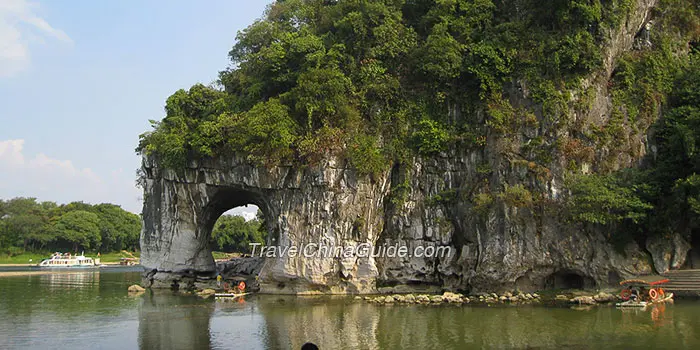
x: 79, y: 80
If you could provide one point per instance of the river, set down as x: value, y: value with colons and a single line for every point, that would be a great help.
x: 92, y: 310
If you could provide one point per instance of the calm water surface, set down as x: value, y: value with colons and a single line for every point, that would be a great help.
x: 92, y: 310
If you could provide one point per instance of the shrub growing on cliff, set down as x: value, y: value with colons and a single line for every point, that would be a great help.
x: 189, y: 126
x: 265, y: 133
x: 365, y: 155
x: 430, y: 137
x: 516, y: 196
x: 604, y: 199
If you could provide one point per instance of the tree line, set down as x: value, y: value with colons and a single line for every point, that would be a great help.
x: 27, y: 225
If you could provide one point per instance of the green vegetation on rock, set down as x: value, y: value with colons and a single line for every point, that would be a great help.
x: 378, y: 82
x: 663, y: 195
x: 369, y: 81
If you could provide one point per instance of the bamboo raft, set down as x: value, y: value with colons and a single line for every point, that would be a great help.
x: 647, y: 290
x: 643, y: 304
x: 229, y: 295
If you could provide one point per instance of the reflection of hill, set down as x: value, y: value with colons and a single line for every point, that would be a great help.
x: 343, y: 324
x: 174, y: 322
x: 336, y: 324
x: 41, y: 312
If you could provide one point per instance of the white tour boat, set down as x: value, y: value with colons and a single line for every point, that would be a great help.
x: 67, y: 260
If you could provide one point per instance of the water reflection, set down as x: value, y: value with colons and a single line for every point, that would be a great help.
x: 345, y: 324
x: 280, y: 322
x: 174, y: 322
x: 81, y: 279
x: 336, y: 323
x: 41, y: 311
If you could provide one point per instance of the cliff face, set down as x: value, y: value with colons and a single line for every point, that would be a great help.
x: 506, y: 244
x: 505, y: 248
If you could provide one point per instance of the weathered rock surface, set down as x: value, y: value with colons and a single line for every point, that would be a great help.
x: 326, y: 205
x: 668, y: 252
x: 447, y: 297
x: 136, y: 289
x: 561, y: 297
x: 583, y: 300
x: 250, y: 266
x: 426, y: 202
x: 603, y: 297
x: 450, y: 297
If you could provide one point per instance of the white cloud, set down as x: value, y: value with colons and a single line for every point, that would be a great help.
x: 248, y: 212
x: 61, y: 181
x: 19, y: 27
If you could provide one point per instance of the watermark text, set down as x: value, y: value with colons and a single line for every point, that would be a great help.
x: 362, y: 250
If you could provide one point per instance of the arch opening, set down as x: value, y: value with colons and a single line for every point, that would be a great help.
x: 235, y: 230
x: 567, y: 279
x: 233, y: 220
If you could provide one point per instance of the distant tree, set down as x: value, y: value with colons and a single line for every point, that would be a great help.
x: 25, y: 223
x: 79, y: 228
x: 234, y: 234
x: 76, y: 206
x: 262, y: 225
x: 119, y: 229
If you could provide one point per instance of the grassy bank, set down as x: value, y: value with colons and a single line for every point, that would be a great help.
x: 24, y: 258
x: 35, y: 258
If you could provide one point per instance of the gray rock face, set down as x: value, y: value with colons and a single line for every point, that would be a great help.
x: 240, y: 267
x: 326, y: 205
x: 508, y: 247
x: 494, y: 245
x: 668, y: 252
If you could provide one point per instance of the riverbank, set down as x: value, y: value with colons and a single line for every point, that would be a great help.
x: 111, y: 264
x: 31, y: 259
x: 23, y: 270
x: 574, y: 297
x: 38, y: 272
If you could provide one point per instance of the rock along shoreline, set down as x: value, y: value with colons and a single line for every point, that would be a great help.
x: 577, y: 298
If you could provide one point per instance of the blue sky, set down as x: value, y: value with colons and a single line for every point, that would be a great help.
x: 79, y: 80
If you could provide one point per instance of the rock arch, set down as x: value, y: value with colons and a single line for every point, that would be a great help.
x: 318, y: 205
